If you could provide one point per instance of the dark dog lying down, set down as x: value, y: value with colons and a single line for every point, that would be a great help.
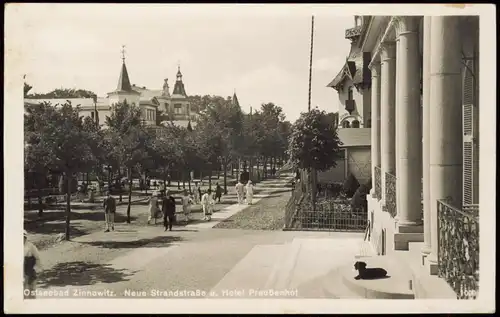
x: 368, y: 273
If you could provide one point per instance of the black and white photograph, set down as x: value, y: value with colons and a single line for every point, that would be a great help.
x: 249, y: 158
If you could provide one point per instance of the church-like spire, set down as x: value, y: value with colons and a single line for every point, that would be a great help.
x: 124, y: 81
x: 179, y: 85
x: 236, y: 103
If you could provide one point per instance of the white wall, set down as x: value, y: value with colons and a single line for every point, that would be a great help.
x: 359, y: 163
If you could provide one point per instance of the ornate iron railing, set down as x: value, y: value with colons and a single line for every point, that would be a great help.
x: 458, y: 248
x: 331, y: 216
x: 378, y: 182
x: 352, y: 32
x: 292, y: 205
x: 390, y: 194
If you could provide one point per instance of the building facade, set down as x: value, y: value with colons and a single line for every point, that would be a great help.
x: 175, y: 106
x: 353, y: 83
x: 425, y: 142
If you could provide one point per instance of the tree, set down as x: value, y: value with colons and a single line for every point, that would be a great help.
x: 27, y: 88
x: 129, y: 141
x: 314, y: 144
x: 59, y: 136
x: 221, y: 126
x: 62, y: 93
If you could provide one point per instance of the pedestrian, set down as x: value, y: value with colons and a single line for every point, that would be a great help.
x: 218, y: 192
x: 207, y: 203
x: 168, y: 208
x: 186, y: 204
x: 240, y: 191
x: 196, y: 193
x: 199, y: 192
x: 274, y: 171
x: 153, y: 207
x: 109, y: 205
x: 32, y: 264
x: 169, y: 179
x: 249, y: 192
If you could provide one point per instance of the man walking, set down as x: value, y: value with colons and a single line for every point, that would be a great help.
x: 109, y: 212
x: 218, y: 192
x: 168, y: 208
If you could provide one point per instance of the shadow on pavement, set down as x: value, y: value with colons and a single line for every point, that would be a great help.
x: 61, y: 215
x: 156, y: 242
x: 54, y: 228
x: 80, y: 273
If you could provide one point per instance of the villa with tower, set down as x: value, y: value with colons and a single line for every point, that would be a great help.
x: 176, y: 105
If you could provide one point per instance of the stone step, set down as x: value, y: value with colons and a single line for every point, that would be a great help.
x: 395, y: 286
x: 401, y: 240
x: 415, y: 252
x: 252, y: 272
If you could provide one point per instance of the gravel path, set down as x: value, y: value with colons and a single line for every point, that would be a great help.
x: 267, y: 214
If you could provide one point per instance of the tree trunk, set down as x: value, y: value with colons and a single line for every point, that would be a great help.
x: 120, y: 184
x: 265, y: 167
x: 225, y: 179
x: 210, y: 179
x: 313, y: 187
x: 109, y: 179
x: 68, y: 205
x: 189, y: 183
x: 183, y: 180
x: 129, y: 196
x: 232, y: 169
x: 178, y: 180
x: 40, y: 200
x: 146, y: 182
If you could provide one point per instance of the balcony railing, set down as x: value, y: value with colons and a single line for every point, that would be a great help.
x: 349, y: 105
x: 378, y: 182
x: 353, y: 32
x: 390, y: 194
x: 458, y: 248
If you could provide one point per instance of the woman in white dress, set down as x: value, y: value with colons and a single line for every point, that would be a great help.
x: 207, y: 203
x: 153, y: 207
x: 186, y: 204
x: 249, y: 192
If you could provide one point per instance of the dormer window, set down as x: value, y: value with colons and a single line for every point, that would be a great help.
x: 349, y: 93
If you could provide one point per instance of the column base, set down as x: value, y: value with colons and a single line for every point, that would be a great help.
x: 402, y: 240
x: 409, y: 227
x: 426, y: 250
x: 431, y: 264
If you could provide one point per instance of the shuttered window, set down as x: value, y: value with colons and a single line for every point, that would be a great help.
x: 470, y: 128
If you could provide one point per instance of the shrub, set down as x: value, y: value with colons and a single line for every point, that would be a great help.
x: 351, y: 184
x: 359, y: 198
x: 368, y: 185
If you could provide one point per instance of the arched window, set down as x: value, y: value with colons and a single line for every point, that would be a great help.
x: 355, y: 124
x: 346, y: 124
x: 349, y: 93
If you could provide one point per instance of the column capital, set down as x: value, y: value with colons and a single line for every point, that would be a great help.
x: 387, y: 50
x: 406, y: 24
x: 374, y: 67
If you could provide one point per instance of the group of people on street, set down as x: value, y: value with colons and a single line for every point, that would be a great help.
x: 244, y: 190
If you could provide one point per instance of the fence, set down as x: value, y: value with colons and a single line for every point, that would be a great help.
x: 458, y: 248
x: 330, y: 216
x: 390, y: 194
x: 292, y: 205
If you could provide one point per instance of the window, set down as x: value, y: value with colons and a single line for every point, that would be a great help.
x: 355, y: 124
x: 92, y: 115
x: 349, y: 93
x: 178, y: 108
x: 369, y: 123
x: 346, y: 124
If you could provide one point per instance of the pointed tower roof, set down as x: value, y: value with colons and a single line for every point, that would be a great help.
x: 235, y: 100
x: 179, y: 90
x: 124, y: 80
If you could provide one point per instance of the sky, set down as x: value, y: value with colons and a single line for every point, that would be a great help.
x: 261, y: 54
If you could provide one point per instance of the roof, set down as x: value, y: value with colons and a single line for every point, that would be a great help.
x: 179, y: 89
x: 147, y: 93
x: 124, y: 81
x: 355, y: 137
x: 235, y: 100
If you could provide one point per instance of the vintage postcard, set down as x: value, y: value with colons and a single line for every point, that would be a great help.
x: 241, y: 158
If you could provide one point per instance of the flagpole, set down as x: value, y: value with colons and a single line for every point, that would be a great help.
x: 310, y: 63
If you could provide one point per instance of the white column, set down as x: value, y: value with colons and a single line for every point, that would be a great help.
x: 426, y: 249
x: 375, y: 129
x: 396, y: 106
x: 445, y: 121
x: 387, y: 108
x: 409, y: 149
